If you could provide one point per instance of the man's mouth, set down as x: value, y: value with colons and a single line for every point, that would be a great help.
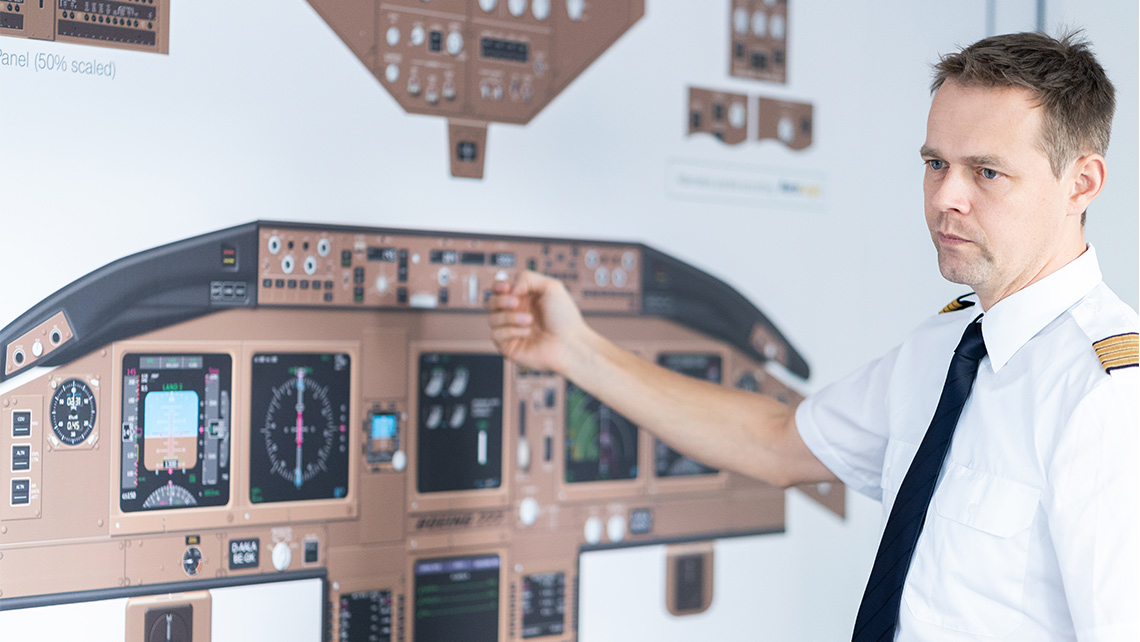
x: 951, y: 240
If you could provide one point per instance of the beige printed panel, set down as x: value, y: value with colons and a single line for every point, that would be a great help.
x: 785, y: 121
x: 375, y: 605
x: 44, y: 569
x: 689, y: 578
x: 38, y: 343
x: 137, y: 25
x: 497, y: 61
x: 173, y: 616
x: 21, y: 459
x: 758, y: 40
x: 28, y: 20
x: 542, y: 578
x: 459, y: 407
x: 723, y: 115
x: 153, y: 486
x: 477, y: 61
x: 269, y: 450
x: 531, y: 523
x: 467, y: 141
x: 310, y: 267
x: 61, y: 492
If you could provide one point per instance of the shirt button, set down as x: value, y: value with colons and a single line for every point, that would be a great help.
x: 972, y: 508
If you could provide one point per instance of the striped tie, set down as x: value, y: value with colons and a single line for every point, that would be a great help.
x: 879, y: 611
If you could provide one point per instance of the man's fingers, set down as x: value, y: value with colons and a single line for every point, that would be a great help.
x: 503, y: 334
x: 500, y: 286
x: 510, y: 318
x: 529, y: 282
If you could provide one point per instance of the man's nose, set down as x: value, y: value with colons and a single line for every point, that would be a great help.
x: 950, y: 191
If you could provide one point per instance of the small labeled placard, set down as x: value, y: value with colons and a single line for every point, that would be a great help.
x: 244, y: 553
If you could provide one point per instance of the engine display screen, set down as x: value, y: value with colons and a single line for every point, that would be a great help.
x: 175, y: 431
x: 543, y: 604
x: 457, y: 598
x: 669, y: 462
x: 600, y: 443
x: 298, y: 422
x: 460, y: 422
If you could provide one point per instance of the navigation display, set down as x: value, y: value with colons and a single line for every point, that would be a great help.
x: 669, y: 462
x: 298, y: 422
x: 176, y: 431
x: 600, y: 443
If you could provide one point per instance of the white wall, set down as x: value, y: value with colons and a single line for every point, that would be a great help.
x: 259, y: 111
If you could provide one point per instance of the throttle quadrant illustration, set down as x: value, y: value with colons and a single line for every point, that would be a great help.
x: 477, y: 61
x: 314, y: 414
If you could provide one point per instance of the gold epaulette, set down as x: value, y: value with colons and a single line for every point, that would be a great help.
x: 1119, y: 351
x: 958, y: 304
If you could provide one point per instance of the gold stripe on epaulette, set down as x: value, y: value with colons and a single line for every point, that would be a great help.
x: 1119, y: 351
x: 958, y: 304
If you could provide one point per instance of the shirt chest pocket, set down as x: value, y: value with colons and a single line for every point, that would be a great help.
x: 968, y: 573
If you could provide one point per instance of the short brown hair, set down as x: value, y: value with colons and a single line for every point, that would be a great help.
x: 1064, y: 75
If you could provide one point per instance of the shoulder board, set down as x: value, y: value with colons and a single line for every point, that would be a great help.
x: 961, y: 303
x: 1118, y: 351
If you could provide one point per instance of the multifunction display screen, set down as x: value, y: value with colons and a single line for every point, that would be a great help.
x: 457, y: 598
x: 299, y: 427
x: 366, y: 616
x: 543, y: 604
x: 460, y: 423
x: 175, y: 431
x: 669, y: 462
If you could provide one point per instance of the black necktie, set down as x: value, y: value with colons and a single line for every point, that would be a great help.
x: 879, y: 612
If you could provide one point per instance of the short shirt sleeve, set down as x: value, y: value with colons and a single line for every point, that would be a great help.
x: 1093, y: 513
x: 845, y: 425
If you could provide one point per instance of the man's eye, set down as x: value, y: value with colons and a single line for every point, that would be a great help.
x: 989, y: 173
x: 936, y: 164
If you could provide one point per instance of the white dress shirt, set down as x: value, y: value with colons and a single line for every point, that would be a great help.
x: 1032, y: 534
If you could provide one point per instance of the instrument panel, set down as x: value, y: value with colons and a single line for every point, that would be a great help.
x: 476, y: 62
x: 385, y: 448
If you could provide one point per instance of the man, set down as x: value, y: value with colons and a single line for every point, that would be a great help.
x: 1015, y: 516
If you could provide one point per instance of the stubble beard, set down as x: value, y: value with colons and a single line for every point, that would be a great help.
x: 960, y: 267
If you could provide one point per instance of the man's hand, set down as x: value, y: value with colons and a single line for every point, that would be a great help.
x: 535, y: 323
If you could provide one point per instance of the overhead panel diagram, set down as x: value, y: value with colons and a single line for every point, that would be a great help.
x: 138, y: 25
x: 477, y: 61
x: 758, y: 50
x: 721, y: 114
x: 758, y: 38
x: 786, y: 121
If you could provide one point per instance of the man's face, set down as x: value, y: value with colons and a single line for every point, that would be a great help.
x: 996, y: 212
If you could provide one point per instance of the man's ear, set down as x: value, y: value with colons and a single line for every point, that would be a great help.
x: 1086, y: 179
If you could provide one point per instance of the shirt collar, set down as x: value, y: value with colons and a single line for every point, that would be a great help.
x: 1016, y: 319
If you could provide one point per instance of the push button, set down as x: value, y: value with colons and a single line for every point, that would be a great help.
x: 21, y: 457
x: 21, y: 491
x: 21, y: 423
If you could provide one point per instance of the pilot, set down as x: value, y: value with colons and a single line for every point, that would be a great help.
x: 1002, y: 435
